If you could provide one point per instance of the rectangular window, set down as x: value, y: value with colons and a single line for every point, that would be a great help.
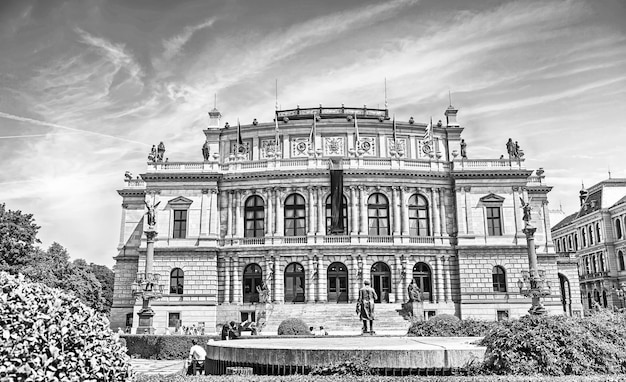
x: 502, y: 315
x: 428, y: 314
x: 129, y: 320
x: 180, y: 224
x: 173, y: 320
x: 494, y: 223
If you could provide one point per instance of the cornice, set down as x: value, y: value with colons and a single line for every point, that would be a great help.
x: 473, y: 174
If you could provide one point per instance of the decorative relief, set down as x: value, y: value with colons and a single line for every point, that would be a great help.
x: 334, y: 146
x: 424, y: 149
x: 241, y: 150
x: 300, y: 147
x: 399, y: 146
x: 367, y: 145
x: 268, y: 146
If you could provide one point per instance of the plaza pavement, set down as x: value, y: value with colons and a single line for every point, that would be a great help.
x: 167, y: 367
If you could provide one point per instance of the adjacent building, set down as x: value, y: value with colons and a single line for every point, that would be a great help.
x: 594, y: 237
x: 304, y: 208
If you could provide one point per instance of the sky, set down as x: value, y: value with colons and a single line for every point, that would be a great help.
x: 87, y: 87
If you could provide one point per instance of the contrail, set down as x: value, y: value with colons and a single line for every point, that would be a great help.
x: 48, y: 124
x: 35, y: 135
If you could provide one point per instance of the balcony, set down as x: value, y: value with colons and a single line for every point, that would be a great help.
x: 332, y: 240
x: 488, y: 164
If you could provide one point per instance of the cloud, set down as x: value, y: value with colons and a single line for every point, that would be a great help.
x: 174, y: 44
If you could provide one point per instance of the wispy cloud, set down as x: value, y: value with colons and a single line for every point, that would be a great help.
x: 173, y: 45
x: 116, y: 53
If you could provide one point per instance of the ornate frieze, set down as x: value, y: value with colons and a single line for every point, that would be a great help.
x: 241, y: 150
x: 300, y: 147
x: 398, y: 146
x: 334, y: 146
x: 269, y: 146
x: 367, y: 145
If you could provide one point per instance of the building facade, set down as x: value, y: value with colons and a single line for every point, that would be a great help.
x: 594, y: 237
x: 306, y: 207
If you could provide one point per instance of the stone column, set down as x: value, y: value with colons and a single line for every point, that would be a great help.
x: 321, y: 212
x: 269, y: 215
x: 517, y: 216
x: 460, y: 205
x: 322, y: 294
x: 228, y: 292
x: 363, y: 212
x: 447, y: 270
x: 229, y: 211
x: 366, y: 267
x: 310, y: 291
x: 405, y: 211
x: 434, y: 197
x: 354, y: 226
x: 354, y: 278
x: 468, y: 210
x: 214, y: 212
x: 279, y: 280
x: 280, y: 216
x: 205, y: 212
x: 439, y: 277
x: 239, y: 221
x: 396, y: 211
x: 442, y: 211
x: 237, y: 294
x: 397, y: 278
x: 311, y: 212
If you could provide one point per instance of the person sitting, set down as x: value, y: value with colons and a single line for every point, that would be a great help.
x: 312, y: 330
x: 197, y: 355
x: 321, y: 332
x: 235, y: 331
x: 225, y: 332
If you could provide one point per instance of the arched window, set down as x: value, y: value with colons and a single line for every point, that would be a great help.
x: 575, y: 242
x: 294, y: 283
x: 295, y: 216
x: 620, y: 258
x: 381, y: 281
x: 254, y: 218
x: 598, y: 233
x: 418, y: 216
x: 583, y: 233
x: 422, y: 276
x: 605, y: 303
x: 618, y: 228
x: 566, y: 294
x: 499, y: 279
x: 569, y: 243
x: 337, y: 282
x: 176, y: 281
x: 378, y: 215
x: 590, y: 232
x: 344, y: 213
x: 558, y: 245
x: 252, y: 278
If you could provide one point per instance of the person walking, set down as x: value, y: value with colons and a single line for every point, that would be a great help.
x: 365, y: 307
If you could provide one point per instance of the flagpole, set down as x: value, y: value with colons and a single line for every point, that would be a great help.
x: 357, y: 143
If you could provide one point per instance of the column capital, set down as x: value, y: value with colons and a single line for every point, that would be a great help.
x: 467, y: 188
x: 205, y: 191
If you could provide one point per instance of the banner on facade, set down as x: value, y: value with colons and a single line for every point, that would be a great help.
x: 336, y: 197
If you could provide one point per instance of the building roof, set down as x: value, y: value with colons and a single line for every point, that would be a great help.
x: 567, y: 220
x: 621, y: 201
x: 592, y: 203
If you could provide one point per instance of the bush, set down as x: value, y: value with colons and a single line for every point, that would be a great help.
x: 357, y: 366
x: 293, y: 327
x: 449, y: 327
x: 49, y: 335
x: 162, y: 347
x: 557, y: 345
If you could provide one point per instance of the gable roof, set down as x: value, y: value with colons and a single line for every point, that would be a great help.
x: 566, y: 221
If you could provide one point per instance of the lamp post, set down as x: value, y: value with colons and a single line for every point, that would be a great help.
x: 534, y: 284
x: 147, y: 285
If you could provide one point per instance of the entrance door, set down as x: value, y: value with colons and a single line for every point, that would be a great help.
x: 381, y: 281
x: 252, y: 278
x: 337, y: 283
x: 294, y: 283
x: 422, y: 276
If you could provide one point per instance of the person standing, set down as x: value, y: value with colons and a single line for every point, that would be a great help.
x: 365, y: 306
x: 197, y: 354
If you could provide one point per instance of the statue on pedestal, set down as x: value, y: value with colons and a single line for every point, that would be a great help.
x: 510, y: 148
x: 264, y: 293
x: 160, y: 151
x: 463, y: 149
x: 415, y: 294
x: 152, y: 156
x: 365, y: 307
x: 527, y: 209
x: 205, y: 150
x: 151, y: 214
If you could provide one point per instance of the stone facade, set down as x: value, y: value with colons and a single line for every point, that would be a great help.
x: 259, y: 213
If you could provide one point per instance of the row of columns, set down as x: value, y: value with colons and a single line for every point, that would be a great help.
x: 357, y: 213
x: 316, y: 266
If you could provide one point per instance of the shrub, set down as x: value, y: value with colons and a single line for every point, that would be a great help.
x: 293, y: 327
x: 162, y: 347
x: 357, y: 366
x: 448, y: 327
x: 49, y: 335
x: 557, y: 345
x: 445, y: 318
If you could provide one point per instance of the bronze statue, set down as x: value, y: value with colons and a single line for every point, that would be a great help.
x: 151, y: 214
x: 205, y: 150
x: 160, y: 151
x: 526, y: 208
x: 415, y: 294
x: 152, y: 157
x: 463, y: 149
x: 365, y: 306
x: 510, y: 148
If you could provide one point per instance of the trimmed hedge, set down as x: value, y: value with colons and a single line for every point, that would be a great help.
x: 162, y: 347
x: 47, y: 335
x: 448, y: 327
x: 293, y: 327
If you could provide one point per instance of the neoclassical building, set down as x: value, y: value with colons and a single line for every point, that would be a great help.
x: 594, y: 236
x: 320, y: 199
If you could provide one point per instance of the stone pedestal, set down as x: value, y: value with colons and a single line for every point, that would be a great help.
x: 145, y: 319
x: 417, y: 309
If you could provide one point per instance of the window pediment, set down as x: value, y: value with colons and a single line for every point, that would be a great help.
x: 180, y: 202
x: 492, y: 199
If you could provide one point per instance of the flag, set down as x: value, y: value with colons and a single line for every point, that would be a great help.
x: 395, y: 138
x: 277, y: 141
x: 429, y: 130
x: 313, y: 133
x: 241, y: 148
x: 357, y: 143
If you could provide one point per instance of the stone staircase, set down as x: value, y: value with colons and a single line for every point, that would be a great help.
x: 336, y: 318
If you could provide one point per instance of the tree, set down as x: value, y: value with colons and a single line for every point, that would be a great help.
x: 107, y: 279
x: 18, y: 236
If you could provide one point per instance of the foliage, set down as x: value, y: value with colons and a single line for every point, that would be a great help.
x: 48, y: 335
x: 162, y: 347
x: 447, y: 327
x: 445, y: 318
x: 106, y: 277
x: 558, y: 345
x: 293, y: 327
x: 357, y: 366
x: 18, y: 236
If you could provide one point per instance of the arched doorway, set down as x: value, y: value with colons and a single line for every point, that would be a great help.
x: 423, y: 277
x: 294, y: 283
x: 252, y: 277
x: 381, y: 281
x: 566, y: 297
x: 337, y: 277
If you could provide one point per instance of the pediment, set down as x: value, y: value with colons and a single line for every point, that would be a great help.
x: 180, y: 201
x: 492, y: 198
